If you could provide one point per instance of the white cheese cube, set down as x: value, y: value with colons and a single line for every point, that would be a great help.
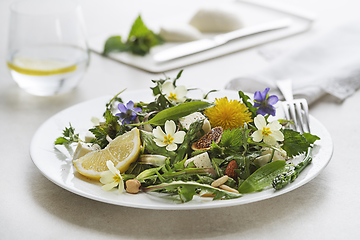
x: 200, y: 161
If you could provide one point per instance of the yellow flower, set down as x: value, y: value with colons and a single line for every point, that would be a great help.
x: 228, y: 114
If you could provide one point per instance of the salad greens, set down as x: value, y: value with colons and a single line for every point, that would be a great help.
x: 252, y: 152
x: 139, y: 42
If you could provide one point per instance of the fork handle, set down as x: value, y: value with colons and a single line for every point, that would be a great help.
x: 285, y: 87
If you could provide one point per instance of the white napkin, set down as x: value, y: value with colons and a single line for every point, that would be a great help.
x: 329, y: 64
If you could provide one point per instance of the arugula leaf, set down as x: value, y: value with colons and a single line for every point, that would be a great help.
x: 187, y: 190
x: 139, y: 42
x: 69, y: 136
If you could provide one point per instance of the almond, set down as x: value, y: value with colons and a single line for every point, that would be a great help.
x: 230, y: 170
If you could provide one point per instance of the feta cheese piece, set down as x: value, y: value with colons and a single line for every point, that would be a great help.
x: 179, y: 33
x: 83, y: 149
x: 266, y: 156
x: 215, y: 19
x: 189, y: 119
x: 201, y: 161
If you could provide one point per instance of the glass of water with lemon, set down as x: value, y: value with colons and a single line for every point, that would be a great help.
x: 47, y: 47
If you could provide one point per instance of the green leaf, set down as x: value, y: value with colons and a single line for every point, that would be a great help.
x: 176, y: 112
x: 248, y: 103
x: 262, y: 177
x: 310, y: 137
x: 61, y: 140
x: 187, y: 190
x: 114, y: 44
x: 294, y: 143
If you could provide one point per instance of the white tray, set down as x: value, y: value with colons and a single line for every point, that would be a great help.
x: 251, y: 11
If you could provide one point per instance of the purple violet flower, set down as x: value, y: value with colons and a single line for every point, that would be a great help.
x: 264, y: 102
x: 127, y: 113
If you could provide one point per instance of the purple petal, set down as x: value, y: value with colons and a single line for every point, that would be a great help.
x: 261, y: 111
x: 122, y: 107
x: 130, y: 105
x: 137, y: 109
x: 258, y: 97
x: 272, y: 99
x: 265, y: 92
x: 256, y: 104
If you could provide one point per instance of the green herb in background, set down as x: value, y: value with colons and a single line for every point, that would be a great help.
x: 139, y: 42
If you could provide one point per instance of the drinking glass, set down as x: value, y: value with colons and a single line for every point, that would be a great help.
x: 47, y: 47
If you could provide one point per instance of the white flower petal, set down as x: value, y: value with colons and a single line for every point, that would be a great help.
x: 179, y: 136
x: 170, y: 127
x: 180, y: 92
x: 279, y: 136
x: 171, y: 147
x: 109, y: 186
x: 121, y: 186
x: 107, y: 177
x: 260, y: 122
x: 269, y: 140
x: 257, y: 136
x: 112, y: 168
x: 159, y: 142
x: 274, y: 125
x: 168, y: 88
x: 159, y: 133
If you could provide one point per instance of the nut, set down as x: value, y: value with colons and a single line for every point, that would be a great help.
x: 204, y: 143
x: 132, y: 186
x: 227, y: 188
x: 230, y: 170
x: 219, y: 181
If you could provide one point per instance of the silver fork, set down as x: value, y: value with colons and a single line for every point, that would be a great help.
x: 296, y: 110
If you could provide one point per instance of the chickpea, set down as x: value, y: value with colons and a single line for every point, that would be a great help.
x: 132, y: 186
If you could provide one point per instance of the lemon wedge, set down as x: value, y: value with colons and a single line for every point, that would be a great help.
x: 122, y: 151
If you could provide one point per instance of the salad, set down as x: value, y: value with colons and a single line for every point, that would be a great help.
x: 184, y: 147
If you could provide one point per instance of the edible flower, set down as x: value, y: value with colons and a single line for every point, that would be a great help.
x: 170, y: 138
x: 269, y: 133
x: 264, y: 102
x: 112, y: 178
x: 175, y: 94
x: 127, y: 113
x: 228, y: 114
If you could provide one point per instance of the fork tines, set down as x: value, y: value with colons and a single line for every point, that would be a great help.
x: 297, y: 111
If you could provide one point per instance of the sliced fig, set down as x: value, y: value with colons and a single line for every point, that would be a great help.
x: 204, y: 143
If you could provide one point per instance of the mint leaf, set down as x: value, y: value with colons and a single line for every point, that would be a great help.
x: 140, y: 40
x: 114, y: 44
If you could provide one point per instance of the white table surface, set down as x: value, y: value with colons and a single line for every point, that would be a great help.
x: 32, y: 207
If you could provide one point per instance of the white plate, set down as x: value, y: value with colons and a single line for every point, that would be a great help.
x: 55, y: 161
x: 252, y: 12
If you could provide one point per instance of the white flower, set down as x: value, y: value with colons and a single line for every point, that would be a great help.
x: 112, y: 178
x: 169, y: 138
x: 174, y: 94
x: 268, y: 132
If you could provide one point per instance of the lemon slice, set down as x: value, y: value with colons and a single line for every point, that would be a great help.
x: 122, y: 151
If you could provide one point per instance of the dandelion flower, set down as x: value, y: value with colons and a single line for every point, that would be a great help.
x: 228, y: 114
x: 269, y: 133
